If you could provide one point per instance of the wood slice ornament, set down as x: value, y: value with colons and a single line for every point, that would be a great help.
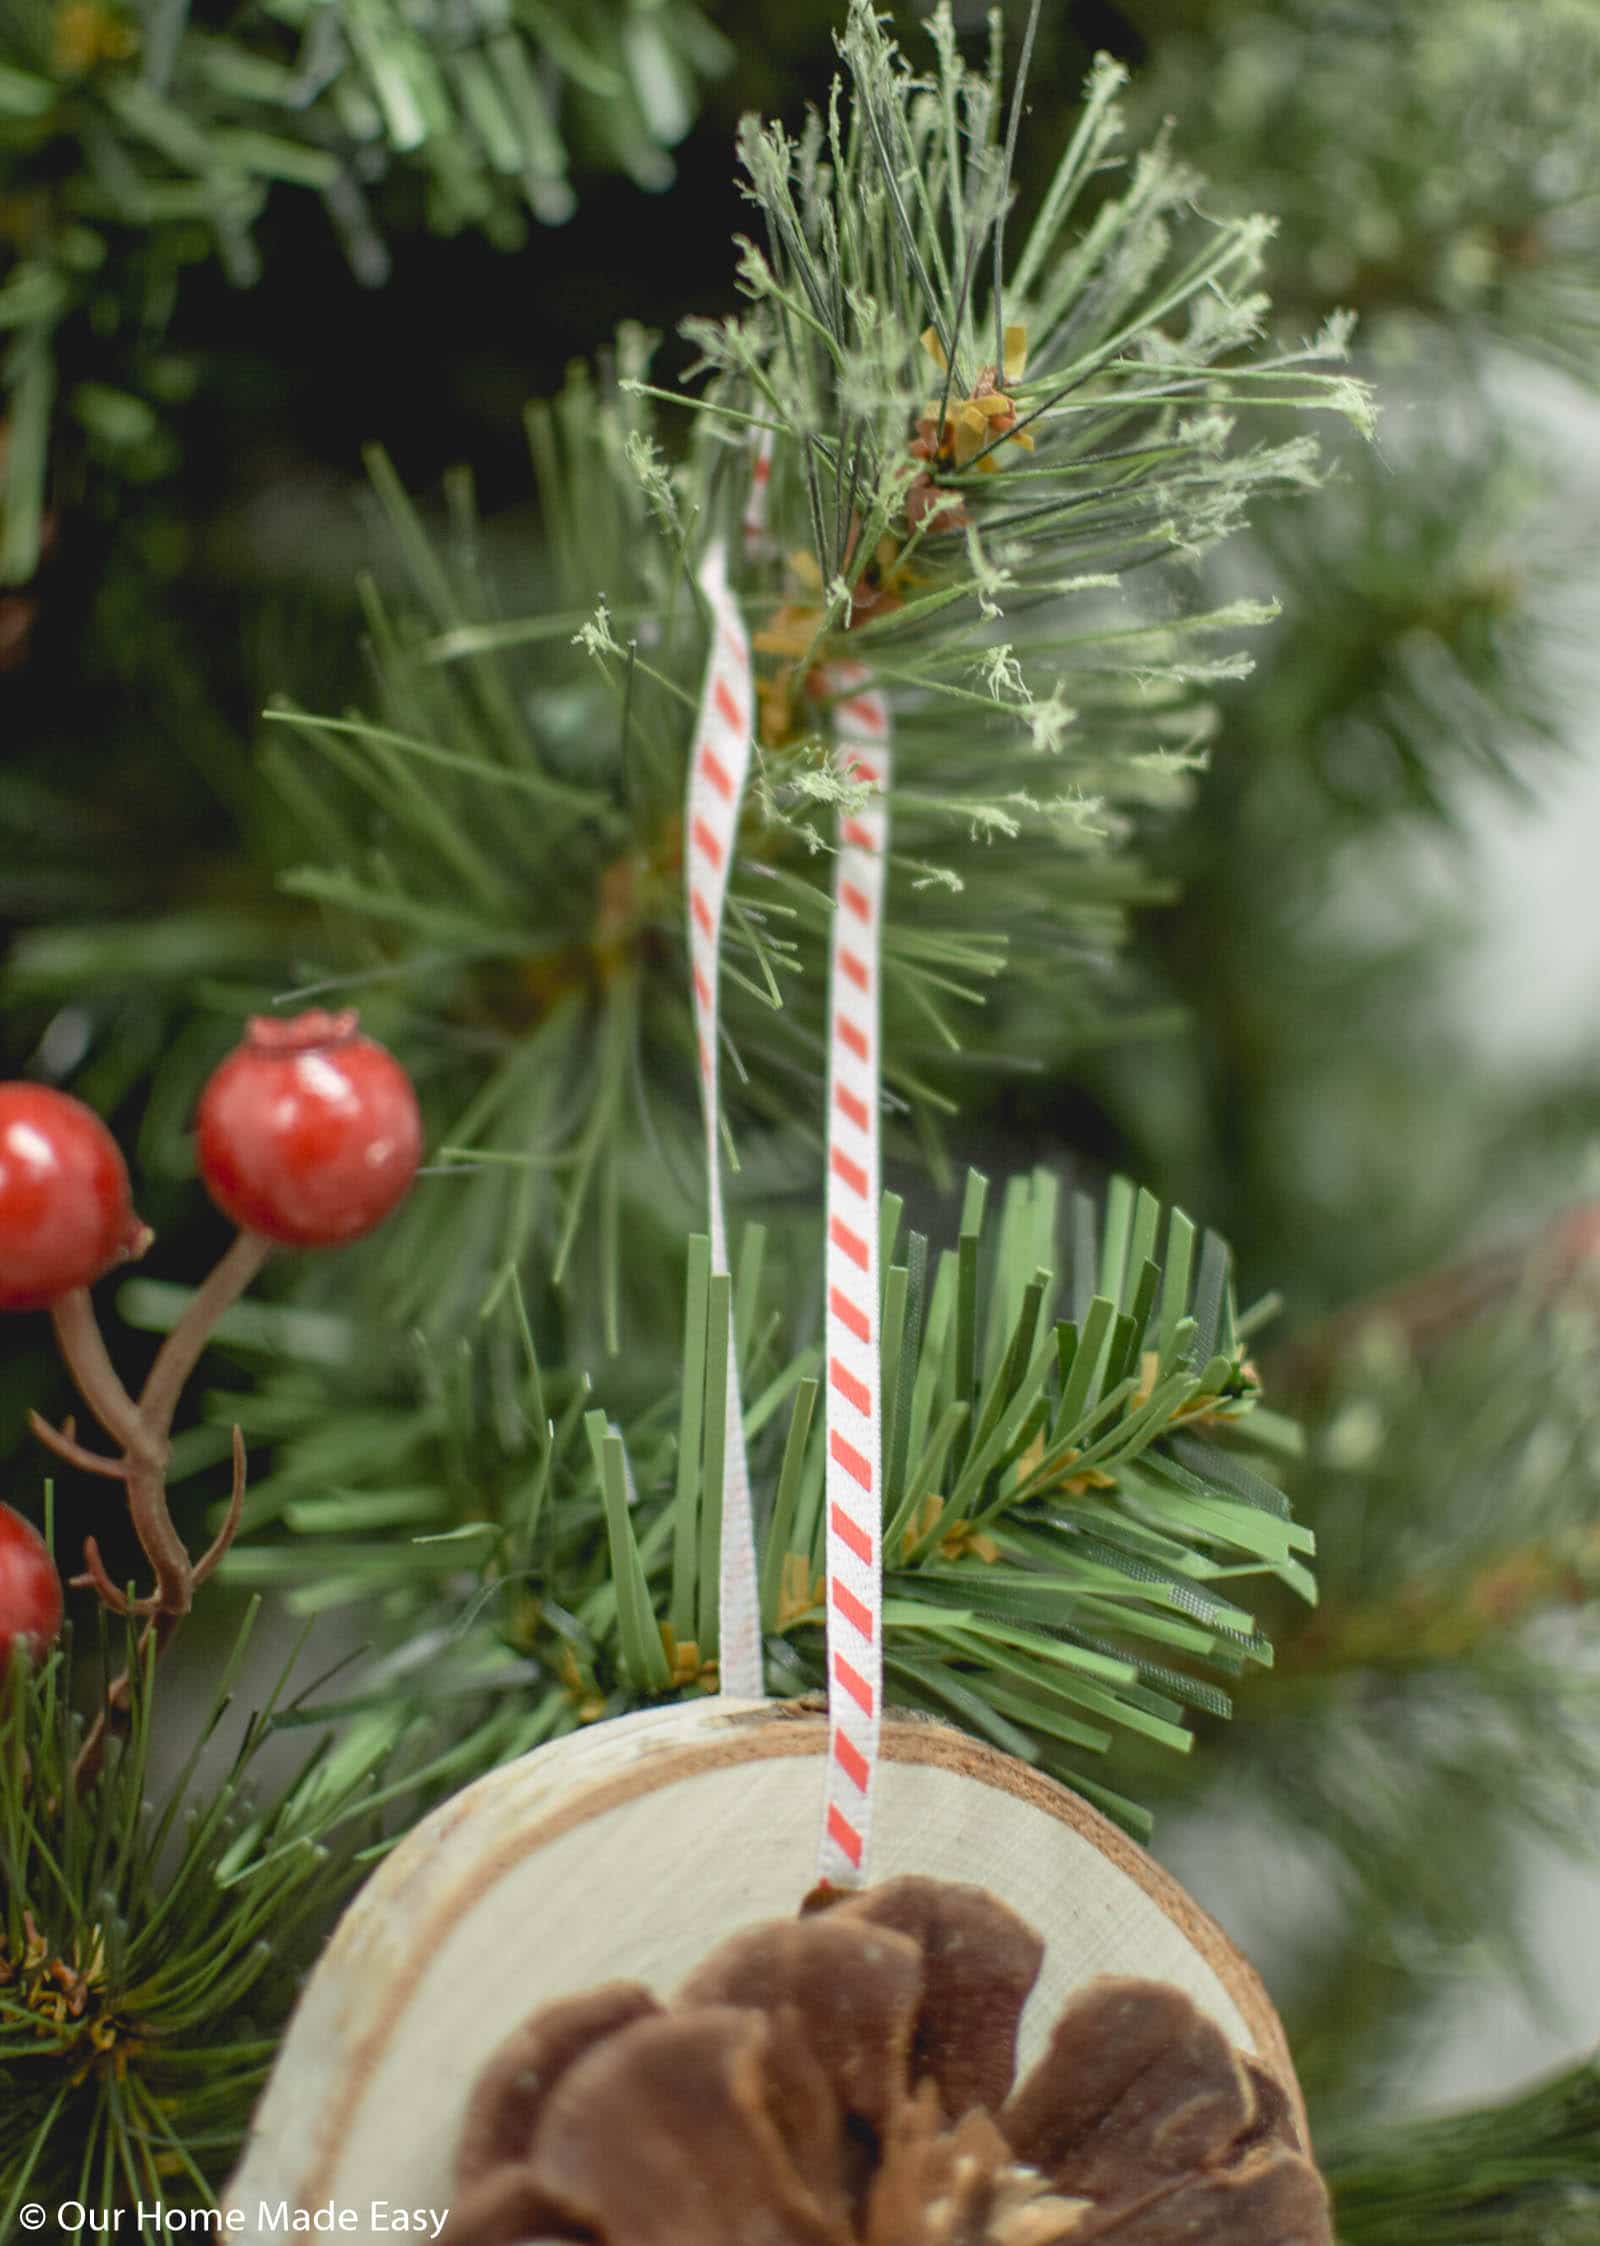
x: 627, y: 1853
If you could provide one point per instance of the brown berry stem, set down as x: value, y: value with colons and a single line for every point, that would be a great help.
x: 143, y: 1431
x: 79, y: 1339
x: 158, y: 1628
x: 180, y: 1352
x: 159, y: 1540
x: 63, y: 1441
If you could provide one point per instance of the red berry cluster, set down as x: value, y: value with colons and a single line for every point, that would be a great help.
x: 308, y: 1136
x: 309, y: 1133
x: 65, y: 1210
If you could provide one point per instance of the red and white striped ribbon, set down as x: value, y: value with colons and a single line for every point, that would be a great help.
x: 717, y: 771
x: 853, y: 1488
x: 756, y: 541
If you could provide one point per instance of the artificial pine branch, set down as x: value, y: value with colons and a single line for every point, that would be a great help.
x: 1077, y: 1481
x: 151, y: 1934
x: 1440, y: 1685
x: 1415, y: 656
x: 1348, y: 123
x: 1419, y: 654
x: 977, y: 534
x: 135, y: 140
x: 1522, y: 2171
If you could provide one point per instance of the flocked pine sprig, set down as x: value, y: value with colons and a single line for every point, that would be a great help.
x: 502, y: 832
x: 135, y: 139
x: 154, y: 1928
x: 1077, y: 1480
x: 954, y: 440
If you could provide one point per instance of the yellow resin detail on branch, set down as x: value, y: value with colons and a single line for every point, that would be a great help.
x: 687, y: 1663
x: 959, y: 1539
x: 799, y: 1591
x: 66, y: 1997
x: 972, y: 423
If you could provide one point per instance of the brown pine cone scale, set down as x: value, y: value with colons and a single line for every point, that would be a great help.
x: 848, y: 2079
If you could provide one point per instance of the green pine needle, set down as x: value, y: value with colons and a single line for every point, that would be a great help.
x: 152, y: 1935
x: 1070, y: 1506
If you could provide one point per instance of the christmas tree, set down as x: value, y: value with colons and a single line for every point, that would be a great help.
x: 1004, y: 437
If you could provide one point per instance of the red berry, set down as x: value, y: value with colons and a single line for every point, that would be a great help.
x: 65, y: 1214
x: 309, y: 1132
x: 30, y: 1590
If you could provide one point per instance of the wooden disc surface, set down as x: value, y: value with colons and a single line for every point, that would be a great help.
x: 627, y: 1851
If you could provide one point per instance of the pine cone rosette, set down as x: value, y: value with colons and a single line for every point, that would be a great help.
x: 848, y: 2079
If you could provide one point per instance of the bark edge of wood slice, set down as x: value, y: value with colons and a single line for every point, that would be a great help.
x: 626, y: 1852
